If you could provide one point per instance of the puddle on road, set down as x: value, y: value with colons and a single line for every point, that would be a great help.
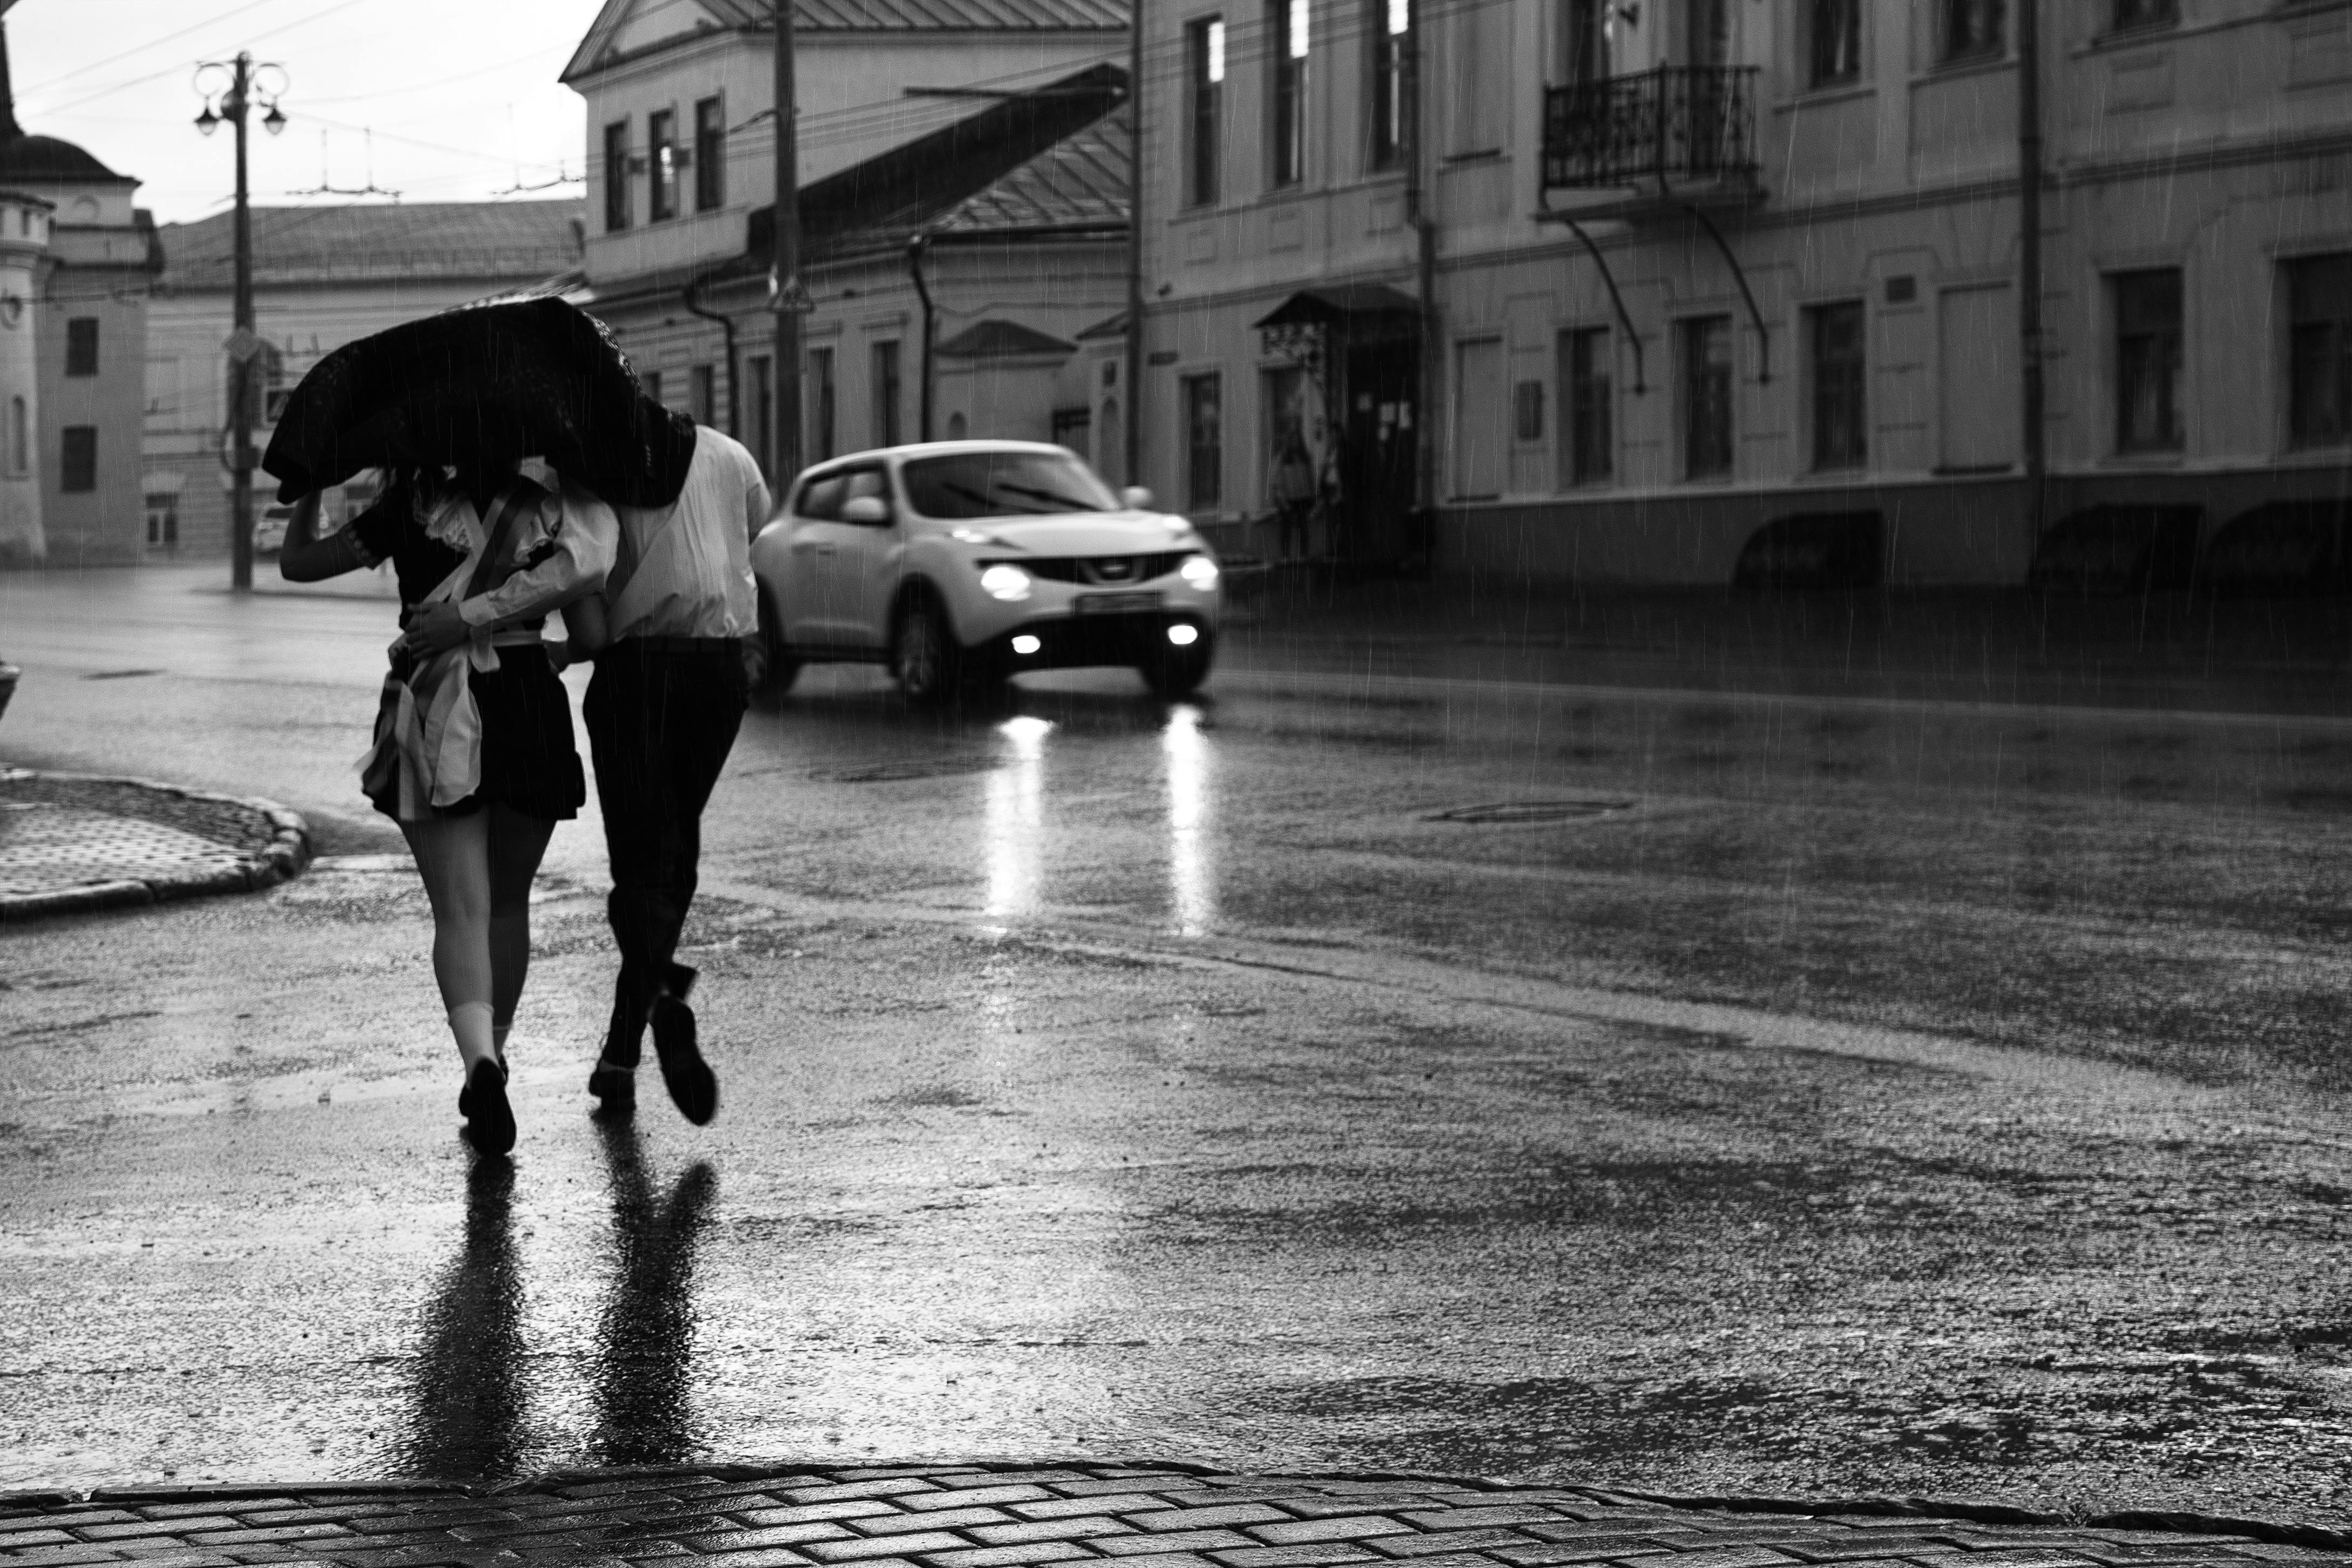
x: 1512, y: 813
x: 905, y: 768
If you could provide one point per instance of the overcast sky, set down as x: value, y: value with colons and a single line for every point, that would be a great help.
x: 461, y: 94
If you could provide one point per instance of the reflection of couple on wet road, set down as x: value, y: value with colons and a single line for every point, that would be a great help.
x: 474, y: 755
x: 471, y: 1400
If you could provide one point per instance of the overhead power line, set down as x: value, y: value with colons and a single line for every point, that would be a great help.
x: 142, y: 49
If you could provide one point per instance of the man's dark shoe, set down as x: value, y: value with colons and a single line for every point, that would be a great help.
x: 616, y: 1088
x: 688, y: 1077
x: 490, y: 1119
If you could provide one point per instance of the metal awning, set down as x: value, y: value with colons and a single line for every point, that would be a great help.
x: 1339, y: 302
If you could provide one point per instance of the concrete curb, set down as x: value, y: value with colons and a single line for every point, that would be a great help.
x: 1997, y: 1515
x: 286, y: 855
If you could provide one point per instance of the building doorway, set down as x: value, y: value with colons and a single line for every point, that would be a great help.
x: 1378, y: 466
x: 1359, y: 343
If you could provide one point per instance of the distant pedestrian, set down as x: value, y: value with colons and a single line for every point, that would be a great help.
x: 473, y: 754
x: 663, y: 710
x: 1292, y: 489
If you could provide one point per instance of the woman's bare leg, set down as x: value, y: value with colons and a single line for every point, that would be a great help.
x: 453, y: 856
x: 517, y: 845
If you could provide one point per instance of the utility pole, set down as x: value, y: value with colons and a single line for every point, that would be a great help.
x: 1423, y: 530
x: 244, y: 346
x: 789, y: 299
x: 2029, y: 265
x: 1132, y: 458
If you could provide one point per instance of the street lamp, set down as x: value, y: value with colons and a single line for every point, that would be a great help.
x: 235, y: 96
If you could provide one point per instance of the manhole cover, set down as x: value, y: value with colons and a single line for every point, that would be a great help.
x: 907, y: 768
x: 1508, y: 812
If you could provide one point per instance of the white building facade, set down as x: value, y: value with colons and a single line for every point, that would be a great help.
x: 1783, y: 325
x: 679, y: 96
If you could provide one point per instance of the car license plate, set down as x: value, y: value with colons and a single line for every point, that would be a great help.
x: 1116, y: 604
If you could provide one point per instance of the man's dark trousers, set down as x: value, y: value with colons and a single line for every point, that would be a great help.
x: 662, y: 716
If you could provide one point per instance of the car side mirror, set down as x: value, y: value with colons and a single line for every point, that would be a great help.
x: 1136, y: 498
x: 869, y: 512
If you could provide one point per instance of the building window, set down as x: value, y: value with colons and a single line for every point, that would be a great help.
x: 661, y: 163
x: 2147, y: 360
x: 763, y: 416
x: 2319, y: 350
x: 1481, y: 419
x: 2144, y: 14
x: 616, y: 176
x: 1204, y: 74
x: 163, y: 518
x: 81, y: 345
x: 1971, y: 29
x: 20, y: 448
x: 710, y: 155
x: 1707, y: 396
x: 1204, y: 444
x: 652, y: 380
x: 79, y: 472
x: 1581, y: 47
x: 823, y: 442
x: 1836, y: 41
x: 1589, y: 454
x: 702, y: 395
x: 1387, y: 25
x: 1286, y: 21
x: 885, y: 393
x: 1839, y: 437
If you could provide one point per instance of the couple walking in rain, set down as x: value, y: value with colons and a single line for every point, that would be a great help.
x: 528, y: 473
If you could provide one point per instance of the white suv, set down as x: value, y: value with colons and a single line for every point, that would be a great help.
x: 961, y: 563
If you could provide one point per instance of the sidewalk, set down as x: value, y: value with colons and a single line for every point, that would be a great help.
x: 2170, y: 651
x: 75, y: 842
x: 1142, y: 1516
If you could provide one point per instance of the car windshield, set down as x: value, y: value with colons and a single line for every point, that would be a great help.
x: 1004, y: 484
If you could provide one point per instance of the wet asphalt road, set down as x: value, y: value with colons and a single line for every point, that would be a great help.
x: 1777, y: 1094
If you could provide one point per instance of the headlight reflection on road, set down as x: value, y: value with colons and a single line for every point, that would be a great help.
x: 1187, y: 751
x: 1015, y: 818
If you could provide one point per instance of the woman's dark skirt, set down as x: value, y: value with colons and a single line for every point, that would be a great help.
x: 530, y: 763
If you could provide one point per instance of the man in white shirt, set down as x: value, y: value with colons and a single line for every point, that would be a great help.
x: 663, y: 709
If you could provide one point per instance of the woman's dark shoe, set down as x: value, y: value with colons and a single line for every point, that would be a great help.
x: 466, y: 1094
x: 688, y: 1077
x: 490, y: 1119
x: 616, y: 1088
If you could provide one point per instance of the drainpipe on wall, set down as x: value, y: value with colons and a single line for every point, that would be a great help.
x: 1133, y: 457
x: 1425, y: 225
x: 690, y: 298
x: 2029, y: 264
x: 915, y: 249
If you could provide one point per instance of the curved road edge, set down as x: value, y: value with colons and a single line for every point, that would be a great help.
x: 260, y: 865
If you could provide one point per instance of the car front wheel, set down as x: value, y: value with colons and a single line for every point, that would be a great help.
x: 924, y: 653
x: 1172, y: 672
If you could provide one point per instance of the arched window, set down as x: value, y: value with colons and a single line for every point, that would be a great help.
x: 19, y: 448
x: 956, y: 427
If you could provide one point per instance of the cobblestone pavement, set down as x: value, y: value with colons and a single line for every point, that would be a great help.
x: 70, y: 843
x: 1137, y: 1516
x: 43, y: 846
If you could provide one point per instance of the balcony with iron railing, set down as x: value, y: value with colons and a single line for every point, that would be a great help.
x: 1680, y: 132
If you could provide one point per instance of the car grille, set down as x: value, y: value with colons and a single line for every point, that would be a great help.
x: 1118, y: 570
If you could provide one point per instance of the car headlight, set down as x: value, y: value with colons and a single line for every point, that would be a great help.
x: 1003, y: 582
x: 1198, y: 570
